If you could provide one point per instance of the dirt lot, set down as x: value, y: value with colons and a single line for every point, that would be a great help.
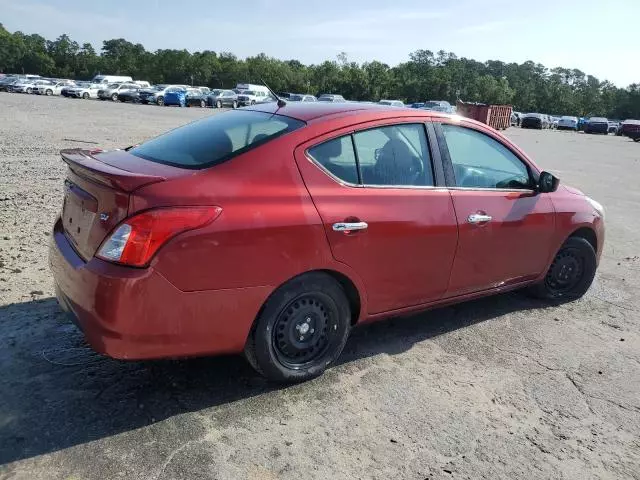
x: 499, y: 388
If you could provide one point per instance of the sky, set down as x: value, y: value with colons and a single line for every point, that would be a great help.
x: 598, y: 37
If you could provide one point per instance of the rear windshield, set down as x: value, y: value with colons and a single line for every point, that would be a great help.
x: 215, y: 139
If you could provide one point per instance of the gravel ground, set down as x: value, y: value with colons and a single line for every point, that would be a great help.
x: 504, y: 387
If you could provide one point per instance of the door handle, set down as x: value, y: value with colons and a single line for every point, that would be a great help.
x: 348, y: 227
x: 476, y: 218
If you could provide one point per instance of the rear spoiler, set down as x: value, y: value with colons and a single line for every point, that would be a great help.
x: 84, y: 164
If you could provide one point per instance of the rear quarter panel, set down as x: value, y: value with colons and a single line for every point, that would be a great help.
x: 269, y: 230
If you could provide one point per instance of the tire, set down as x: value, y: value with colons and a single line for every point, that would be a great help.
x: 218, y: 104
x: 636, y: 139
x: 29, y: 90
x: 48, y: 93
x: 575, y: 256
x: 114, y: 97
x: 85, y: 96
x: 160, y: 101
x: 253, y: 102
x: 203, y: 104
x: 312, y: 307
x: 234, y: 105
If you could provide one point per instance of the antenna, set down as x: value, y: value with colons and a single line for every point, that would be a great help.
x: 281, y: 102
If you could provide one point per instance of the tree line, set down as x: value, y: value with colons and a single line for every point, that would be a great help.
x: 427, y: 75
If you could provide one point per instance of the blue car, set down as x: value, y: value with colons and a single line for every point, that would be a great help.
x: 417, y: 105
x: 175, y: 96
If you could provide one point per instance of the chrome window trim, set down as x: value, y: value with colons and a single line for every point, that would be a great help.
x: 489, y: 189
x: 328, y: 173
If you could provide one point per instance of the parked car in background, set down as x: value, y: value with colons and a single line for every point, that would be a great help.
x: 438, y: 106
x: 175, y: 96
x: 568, y: 122
x: 251, y: 97
x: 195, y: 98
x: 84, y: 91
x: 219, y: 98
x: 129, y: 96
x: 298, y: 97
x: 204, y: 90
x: 142, y: 83
x: 613, y: 126
x: 582, y: 121
x: 7, y: 82
x: 188, y: 259
x: 515, y: 119
x: 597, y: 125
x: 417, y: 105
x: 27, y: 86
x: 534, y: 120
x: 54, y: 88
x: 631, y: 128
x: 331, y: 97
x: 155, y: 94
x: 111, y: 91
x: 391, y: 103
x: 553, y: 122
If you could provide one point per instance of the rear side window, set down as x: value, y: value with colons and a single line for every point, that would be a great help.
x: 215, y: 139
x: 338, y: 158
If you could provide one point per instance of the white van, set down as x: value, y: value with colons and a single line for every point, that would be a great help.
x: 250, y: 94
x: 111, y: 79
x: 142, y: 83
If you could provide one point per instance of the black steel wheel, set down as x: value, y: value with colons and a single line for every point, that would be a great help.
x: 301, y: 330
x: 571, y: 273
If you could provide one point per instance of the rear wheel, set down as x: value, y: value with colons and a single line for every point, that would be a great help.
x: 301, y: 330
x: 571, y: 273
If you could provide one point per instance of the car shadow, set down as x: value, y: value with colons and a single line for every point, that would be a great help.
x: 57, y: 393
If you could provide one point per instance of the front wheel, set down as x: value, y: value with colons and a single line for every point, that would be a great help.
x: 636, y: 139
x: 203, y: 104
x: 234, y: 105
x: 571, y: 273
x: 218, y: 104
x: 302, y: 329
x: 160, y: 101
x: 85, y: 96
x: 49, y: 93
x: 29, y: 90
x: 114, y: 97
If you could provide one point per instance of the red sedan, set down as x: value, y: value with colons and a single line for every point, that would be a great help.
x: 273, y: 231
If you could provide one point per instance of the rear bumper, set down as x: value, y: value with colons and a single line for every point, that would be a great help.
x: 130, y: 313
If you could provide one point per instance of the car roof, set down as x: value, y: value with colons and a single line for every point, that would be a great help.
x: 312, y: 111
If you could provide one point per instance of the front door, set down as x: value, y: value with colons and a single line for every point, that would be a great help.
x: 505, y: 226
x: 382, y: 212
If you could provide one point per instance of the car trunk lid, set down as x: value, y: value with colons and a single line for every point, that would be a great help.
x: 97, y: 190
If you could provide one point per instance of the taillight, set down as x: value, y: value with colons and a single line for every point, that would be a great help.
x: 136, y: 240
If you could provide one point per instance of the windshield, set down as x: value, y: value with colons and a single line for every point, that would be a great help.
x: 325, y: 98
x: 248, y: 92
x: 295, y: 98
x: 215, y: 92
x: 597, y: 119
x: 113, y: 85
x: 214, y: 139
x: 175, y: 90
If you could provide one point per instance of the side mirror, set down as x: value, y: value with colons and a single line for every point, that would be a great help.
x: 548, y: 182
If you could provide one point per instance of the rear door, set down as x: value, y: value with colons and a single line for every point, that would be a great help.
x: 505, y: 226
x: 384, y: 209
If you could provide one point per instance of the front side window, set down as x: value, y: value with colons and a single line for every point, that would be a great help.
x: 214, y: 139
x: 394, y: 155
x: 480, y: 161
